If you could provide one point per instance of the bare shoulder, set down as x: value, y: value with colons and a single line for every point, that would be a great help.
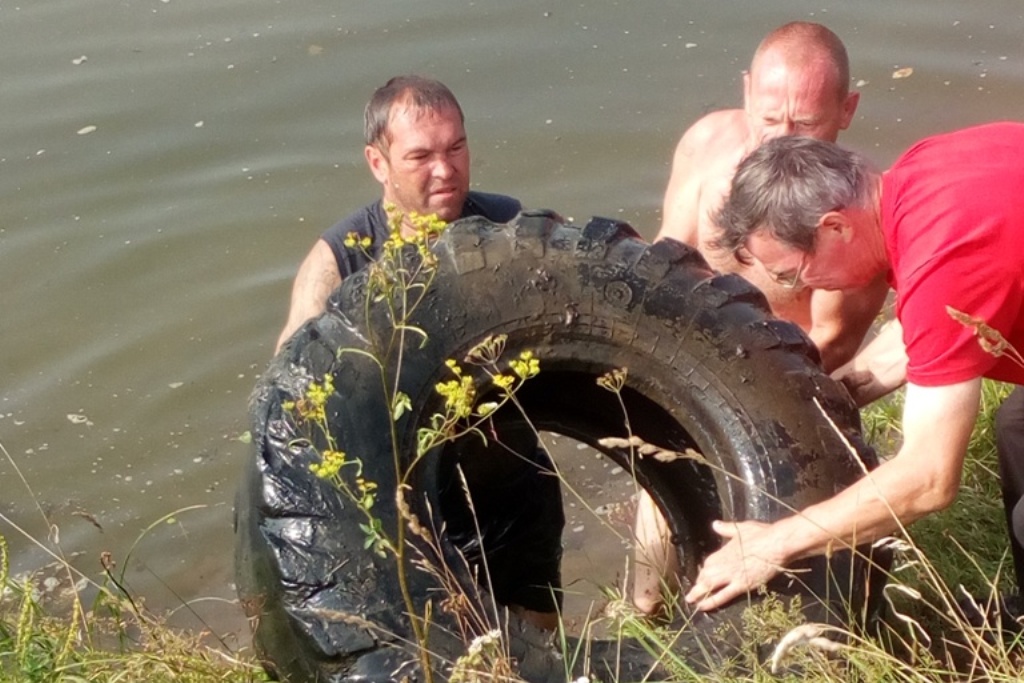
x: 708, y: 151
x: 717, y: 134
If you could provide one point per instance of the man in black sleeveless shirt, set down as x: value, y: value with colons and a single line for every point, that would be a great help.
x: 416, y: 148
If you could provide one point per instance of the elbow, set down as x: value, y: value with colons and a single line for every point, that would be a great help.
x: 285, y: 335
x: 295, y: 321
x: 941, y: 500
x: 936, y: 495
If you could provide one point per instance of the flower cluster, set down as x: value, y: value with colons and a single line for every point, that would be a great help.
x: 394, y: 277
x: 488, y: 351
x: 354, y: 239
x: 526, y: 366
x: 330, y: 464
x: 367, y: 492
x: 312, y: 407
x: 412, y: 229
x: 459, y: 393
x: 613, y: 380
x: 485, y: 660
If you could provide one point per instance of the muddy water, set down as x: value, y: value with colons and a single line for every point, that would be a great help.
x: 599, y: 498
x: 165, y: 164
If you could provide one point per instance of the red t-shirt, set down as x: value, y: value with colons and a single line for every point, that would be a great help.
x: 953, y: 218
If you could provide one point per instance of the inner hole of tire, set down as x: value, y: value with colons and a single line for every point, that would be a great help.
x: 516, y: 511
x: 598, y: 496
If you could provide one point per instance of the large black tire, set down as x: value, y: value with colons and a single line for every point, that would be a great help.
x: 708, y: 369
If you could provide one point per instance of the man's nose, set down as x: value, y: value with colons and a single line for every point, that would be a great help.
x: 442, y: 168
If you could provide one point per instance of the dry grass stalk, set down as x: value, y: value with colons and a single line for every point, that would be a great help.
x: 644, y: 449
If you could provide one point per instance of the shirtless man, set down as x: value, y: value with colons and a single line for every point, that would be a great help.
x: 798, y: 84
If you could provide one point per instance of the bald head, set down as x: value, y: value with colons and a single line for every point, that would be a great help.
x: 802, y: 44
x: 798, y: 84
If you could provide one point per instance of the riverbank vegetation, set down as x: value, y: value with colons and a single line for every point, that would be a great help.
x: 948, y: 570
x: 948, y: 564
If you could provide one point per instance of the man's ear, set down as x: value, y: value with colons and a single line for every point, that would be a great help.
x: 746, y: 90
x: 377, y: 162
x: 834, y: 224
x: 849, y: 109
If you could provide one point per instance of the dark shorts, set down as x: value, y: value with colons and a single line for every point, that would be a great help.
x: 517, y: 501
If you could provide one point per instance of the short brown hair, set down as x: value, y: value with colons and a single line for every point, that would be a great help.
x: 422, y: 93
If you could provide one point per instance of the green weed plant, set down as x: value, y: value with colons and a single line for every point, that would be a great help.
x: 110, y: 639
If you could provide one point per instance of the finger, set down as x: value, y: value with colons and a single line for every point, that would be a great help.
x: 698, y: 592
x: 726, y: 530
x: 718, y: 598
x: 704, y: 587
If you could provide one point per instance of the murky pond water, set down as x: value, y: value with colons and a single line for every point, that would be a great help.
x: 165, y: 164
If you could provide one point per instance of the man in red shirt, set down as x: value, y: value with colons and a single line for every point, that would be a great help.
x: 946, y: 225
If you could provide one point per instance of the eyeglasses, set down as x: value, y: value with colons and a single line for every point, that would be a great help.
x: 790, y: 280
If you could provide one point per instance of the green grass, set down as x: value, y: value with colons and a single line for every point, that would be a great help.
x: 110, y: 640
x: 968, y: 541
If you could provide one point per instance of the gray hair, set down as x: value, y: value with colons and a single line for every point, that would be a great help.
x: 785, y: 186
x: 422, y: 93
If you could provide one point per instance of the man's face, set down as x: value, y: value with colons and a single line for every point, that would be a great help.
x: 781, y: 98
x: 426, y: 167
x: 841, y: 258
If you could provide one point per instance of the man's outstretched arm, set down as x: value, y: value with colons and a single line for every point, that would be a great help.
x: 923, y: 477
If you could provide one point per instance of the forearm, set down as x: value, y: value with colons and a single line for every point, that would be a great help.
x: 754, y: 552
x: 835, y: 350
x: 841, y: 320
x: 880, y: 368
x: 923, y: 477
x: 884, y: 501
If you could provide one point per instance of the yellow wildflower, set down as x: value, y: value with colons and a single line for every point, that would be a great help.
x: 330, y: 464
x: 526, y: 366
x: 503, y: 381
x: 459, y: 396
